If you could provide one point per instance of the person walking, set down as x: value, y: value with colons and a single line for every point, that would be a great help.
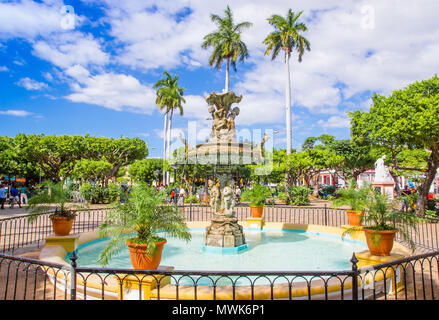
x: 406, y: 200
x: 23, y: 194
x: 14, y: 196
x: 173, y: 196
x: 181, y: 195
x: 2, y: 196
x: 238, y: 193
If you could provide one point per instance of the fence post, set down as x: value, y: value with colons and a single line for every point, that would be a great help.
x: 354, y: 262
x: 326, y: 216
x: 73, y: 258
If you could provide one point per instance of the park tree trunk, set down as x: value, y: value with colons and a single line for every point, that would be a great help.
x: 165, y: 134
x: 288, y: 100
x: 169, y: 155
x: 226, y: 89
x: 433, y: 164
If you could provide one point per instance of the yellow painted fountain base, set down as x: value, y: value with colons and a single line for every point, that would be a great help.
x: 69, y: 243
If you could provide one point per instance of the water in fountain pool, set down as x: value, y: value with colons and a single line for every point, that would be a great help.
x: 269, y: 250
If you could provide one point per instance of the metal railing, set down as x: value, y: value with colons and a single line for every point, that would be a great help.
x: 25, y: 278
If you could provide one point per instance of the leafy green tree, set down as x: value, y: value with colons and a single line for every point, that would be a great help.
x: 8, y: 157
x: 408, y: 118
x: 355, y: 158
x: 97, y: 170
x: 119, y: 152
x: 145, y: 170
x: 287, y: 36
x: 53, y: 154
x: 226, y: 42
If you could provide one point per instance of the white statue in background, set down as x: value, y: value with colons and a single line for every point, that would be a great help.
x: 381, y: 171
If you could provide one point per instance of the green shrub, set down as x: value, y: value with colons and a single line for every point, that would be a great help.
x: 431, y: 214
x: 192, y: 199
x: 86, y: 190
x: 327, y: 191
x: 256, y: 195
x: 432, y: 205
x: 113, y: 191
x: 299, y: 196
x: 283, y: 196
x: 353, y: 198
x: 97, y: 194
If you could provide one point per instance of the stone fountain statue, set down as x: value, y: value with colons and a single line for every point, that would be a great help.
x: 224, y: 153
x: 382, y: 171
x: 383, y: 179
x: 223, y: 128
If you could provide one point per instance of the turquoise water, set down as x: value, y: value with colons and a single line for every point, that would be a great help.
x: 269, y: 250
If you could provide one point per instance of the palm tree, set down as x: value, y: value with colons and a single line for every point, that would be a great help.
x: 146, y: 214
x: 169, y: 97
x: 287, y: 36
x: 226, y: 42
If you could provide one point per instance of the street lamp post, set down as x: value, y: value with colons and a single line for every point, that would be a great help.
x: 175, y: 166
x: 156, y: 177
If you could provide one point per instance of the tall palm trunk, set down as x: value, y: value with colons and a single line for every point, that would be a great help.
x: 165, y: 134
x: 169, y: 144
x: 288, y: 100
x: 227, y: 74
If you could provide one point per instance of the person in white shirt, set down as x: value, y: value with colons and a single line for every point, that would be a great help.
x: 181, y: 195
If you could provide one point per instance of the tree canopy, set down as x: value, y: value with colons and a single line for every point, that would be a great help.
x: 406, y: 119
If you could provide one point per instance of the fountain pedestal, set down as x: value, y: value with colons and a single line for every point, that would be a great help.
x: 224, y: 153
x: 225, y: 232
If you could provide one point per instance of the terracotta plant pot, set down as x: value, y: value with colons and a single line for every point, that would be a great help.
x: 380, y: 243
x: 354, y: 217
x: 62, y: 225
x: 256, y: 211
x: 140, y: 260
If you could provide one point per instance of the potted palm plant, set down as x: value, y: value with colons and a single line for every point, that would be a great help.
x: 56, y: 199
x: 355, y: 200
x: 256, y: 196
x: 383, y: 221
x: 142, y: 223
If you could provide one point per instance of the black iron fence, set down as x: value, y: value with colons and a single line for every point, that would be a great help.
x: 23, y: 278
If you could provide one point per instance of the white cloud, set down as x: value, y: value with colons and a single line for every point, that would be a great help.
x: 28, y: 19
x: 3, y: 69
x: 31, y: 84
x: 346, y: 59
x: 115, y: 91
x: 69, y: 49
x: 16, y: 113
x: 335, y: 122
x: 48, y: 76
x: 78, y: 72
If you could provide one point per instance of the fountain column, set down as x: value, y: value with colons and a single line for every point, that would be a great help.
x: 224, y: 153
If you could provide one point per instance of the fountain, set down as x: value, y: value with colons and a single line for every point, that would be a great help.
x: 224, y: 153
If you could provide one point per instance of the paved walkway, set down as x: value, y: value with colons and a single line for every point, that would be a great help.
x: 14, y: 212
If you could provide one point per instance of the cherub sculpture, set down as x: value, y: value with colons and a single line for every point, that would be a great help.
x: 223, y: 127
x: 215, y: 196
x: 228, y: 201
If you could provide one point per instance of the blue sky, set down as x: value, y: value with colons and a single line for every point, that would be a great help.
x: 94, y: 73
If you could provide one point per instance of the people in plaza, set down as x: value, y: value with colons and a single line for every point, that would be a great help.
x: 181, y: 195
x: 238, y: 193
x: 2, y: 196
x: 406, y: 201
x: 23, y: 194
x: 15, y: 196
x: 173, y: 196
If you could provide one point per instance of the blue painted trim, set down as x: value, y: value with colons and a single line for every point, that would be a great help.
x: 220, y: 250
